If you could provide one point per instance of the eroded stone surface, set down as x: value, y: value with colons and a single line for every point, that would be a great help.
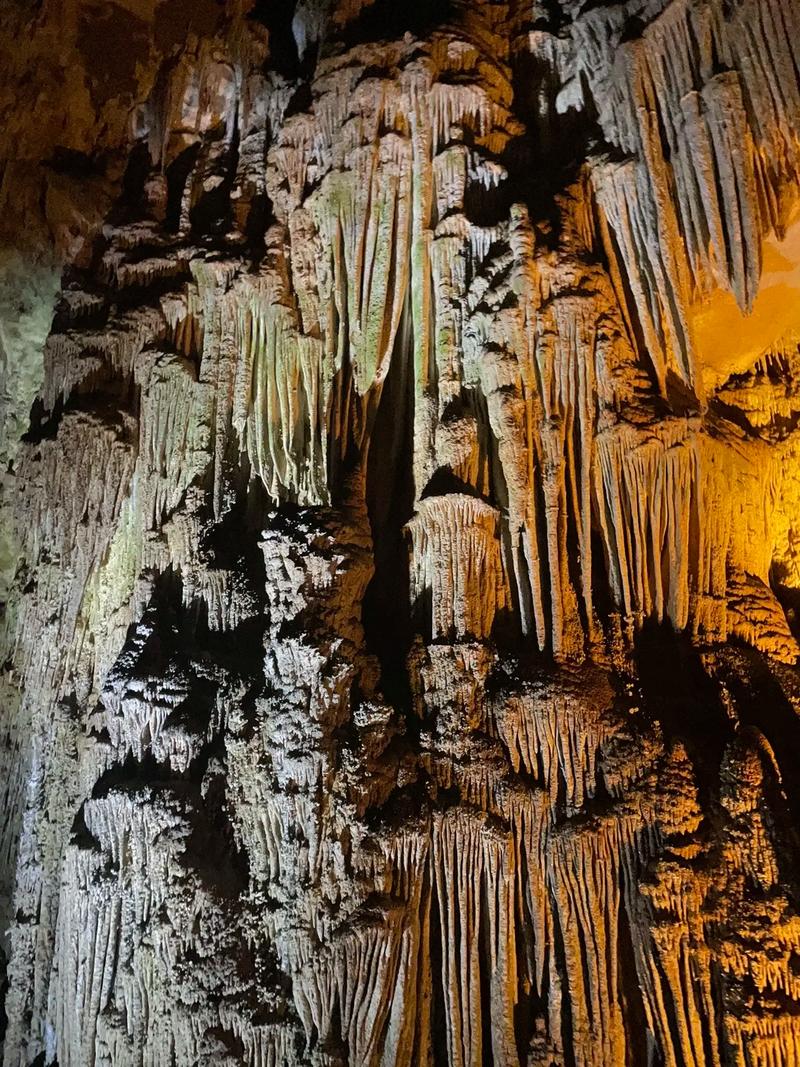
x: 400, y: 653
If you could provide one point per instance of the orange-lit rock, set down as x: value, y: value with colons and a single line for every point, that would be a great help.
x: 731, y: 341
x: 401, y: 470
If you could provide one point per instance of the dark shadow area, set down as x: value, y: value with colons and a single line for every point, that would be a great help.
x: 488, y: 206
x: 547, y: 159
x: 438, y: 1011
x: 173, y: 642
x: 75, y: 164
x: 211, y: 848
x: 131, y: 202
x: 277, y: 16
x: 485, y: 974
x: 552, y: 18
x: 557, y: 947
x: 444, y: 483
x: 211, y: 214
x: 389, y: 497
x: 679, y: 694
x: 177, y: 174
x: 636, y: 1043
x: 766, y: 695
x: 789, y: 600
x: 388, y: 20
x: 602, y: 597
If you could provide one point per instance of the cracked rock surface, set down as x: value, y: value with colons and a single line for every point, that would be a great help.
x: 400, y: 533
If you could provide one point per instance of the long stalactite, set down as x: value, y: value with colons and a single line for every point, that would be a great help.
x: 400, y: 533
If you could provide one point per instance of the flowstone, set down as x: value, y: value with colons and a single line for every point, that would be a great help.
x: 401, y: 527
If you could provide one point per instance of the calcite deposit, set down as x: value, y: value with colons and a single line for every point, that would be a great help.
x: 400, y: 533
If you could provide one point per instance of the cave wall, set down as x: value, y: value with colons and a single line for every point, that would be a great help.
x: 400, y: 533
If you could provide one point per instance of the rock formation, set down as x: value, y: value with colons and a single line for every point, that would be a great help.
x: 400, y: 533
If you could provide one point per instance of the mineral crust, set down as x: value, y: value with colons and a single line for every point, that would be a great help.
x: 400, y: 533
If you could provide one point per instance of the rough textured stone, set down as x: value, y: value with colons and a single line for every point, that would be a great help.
x: 400, y: 533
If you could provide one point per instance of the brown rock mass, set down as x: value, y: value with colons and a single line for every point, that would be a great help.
x: 400, y: 533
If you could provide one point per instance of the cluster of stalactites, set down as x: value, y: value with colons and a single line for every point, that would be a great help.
x: 458, y: 582
x: 529, y: 388
x: 704, y: 106
x: 565, y: 848
x: 525, y: 363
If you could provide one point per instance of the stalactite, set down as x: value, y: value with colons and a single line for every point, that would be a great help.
x: 484, y: 259
x: 456, y: 569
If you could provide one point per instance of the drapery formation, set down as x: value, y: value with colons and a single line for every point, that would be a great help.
x: 403, y: 552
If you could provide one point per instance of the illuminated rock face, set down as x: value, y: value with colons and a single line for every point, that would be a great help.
x: 400, y: 659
